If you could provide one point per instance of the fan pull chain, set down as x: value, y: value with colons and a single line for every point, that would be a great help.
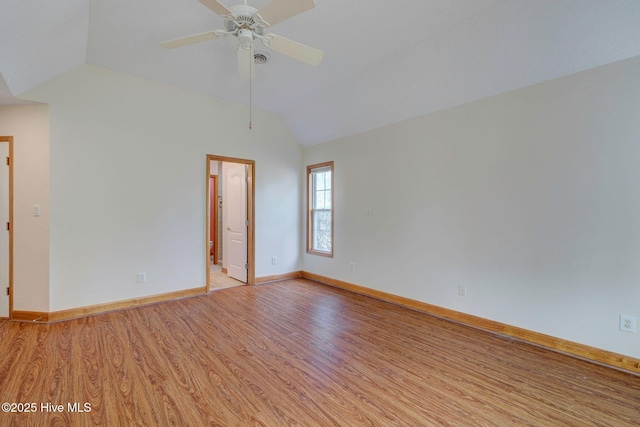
x: 250, y: 97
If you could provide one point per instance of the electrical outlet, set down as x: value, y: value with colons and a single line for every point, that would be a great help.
x: 628, y: 323
x: 462, y: 290
x: 142, y: 277
x: 352, y: 267
x: 274, y: 260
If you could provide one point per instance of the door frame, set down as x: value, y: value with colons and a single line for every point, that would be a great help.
x: 213, y: 219
x: 251, y: 273
x: 9, y: 139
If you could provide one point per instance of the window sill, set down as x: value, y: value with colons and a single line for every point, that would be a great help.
x: 320, y: 253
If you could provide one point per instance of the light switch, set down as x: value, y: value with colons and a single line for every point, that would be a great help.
x: 36, y: 210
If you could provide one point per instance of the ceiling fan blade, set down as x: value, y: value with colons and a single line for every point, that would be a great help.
x: 217, y: 7
x: 279, y: 10
x: 246, y: 65
x: 295, y: 50
x: 185, y: 41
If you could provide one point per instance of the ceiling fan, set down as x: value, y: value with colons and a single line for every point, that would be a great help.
x: 248, y: 24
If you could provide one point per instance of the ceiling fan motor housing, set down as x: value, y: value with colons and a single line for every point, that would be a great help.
x: 243, y: 16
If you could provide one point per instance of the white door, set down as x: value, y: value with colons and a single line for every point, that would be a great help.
x: 4, y: 234
x: 235, y: 176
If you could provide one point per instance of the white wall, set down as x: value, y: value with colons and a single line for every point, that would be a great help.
x: 29, y: 125
x: 128, y: 175
x: 530, y: 199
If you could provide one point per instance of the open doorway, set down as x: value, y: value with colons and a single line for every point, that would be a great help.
x: 215, y: 204
x: 230, y: 253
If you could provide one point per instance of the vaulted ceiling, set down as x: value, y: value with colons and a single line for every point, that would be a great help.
x: 384, y: 60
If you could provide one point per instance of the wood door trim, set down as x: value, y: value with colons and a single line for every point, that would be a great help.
x: 216, y: 249
x: 251, y: 273
x: 9, y: 139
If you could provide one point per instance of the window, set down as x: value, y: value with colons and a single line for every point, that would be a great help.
x: 320, y: 209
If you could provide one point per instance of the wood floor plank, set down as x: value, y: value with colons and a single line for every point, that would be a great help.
x: 297, y: 353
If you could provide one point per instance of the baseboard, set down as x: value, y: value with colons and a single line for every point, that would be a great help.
x: 90, y: 310
x: 581, y: 351
x: 74, y: 313
x: 278, y: 277
x: 30, y: 316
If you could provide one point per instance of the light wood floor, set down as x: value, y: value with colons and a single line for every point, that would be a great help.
x: 298, y: 353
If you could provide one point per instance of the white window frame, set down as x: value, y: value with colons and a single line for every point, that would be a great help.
x: 312, y: 193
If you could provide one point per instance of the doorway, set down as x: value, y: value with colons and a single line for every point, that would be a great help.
x: 214, y: 208
x: 235, y: 206
x: 6, y: 226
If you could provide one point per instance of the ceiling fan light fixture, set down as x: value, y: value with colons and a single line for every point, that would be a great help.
x: 245, y: 35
